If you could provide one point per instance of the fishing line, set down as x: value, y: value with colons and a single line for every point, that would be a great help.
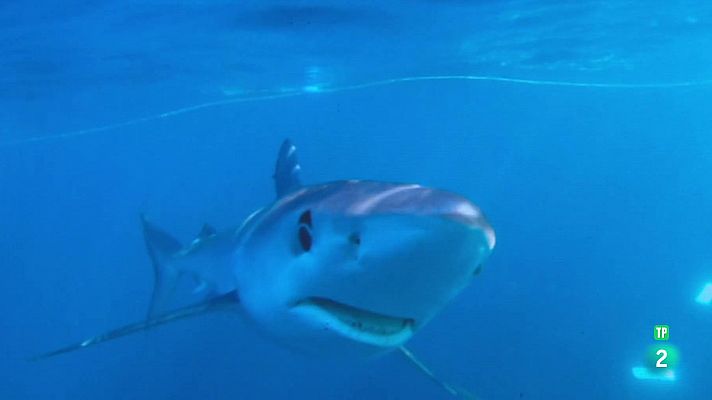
x: 448, y: 387
x: 315, y: 89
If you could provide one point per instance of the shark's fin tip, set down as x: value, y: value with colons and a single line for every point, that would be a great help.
x: 223, y: 302
x: 207, y: 231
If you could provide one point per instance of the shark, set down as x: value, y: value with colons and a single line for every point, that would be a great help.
x: 350, y: 268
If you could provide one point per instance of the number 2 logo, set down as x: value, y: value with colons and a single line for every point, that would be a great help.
x: 663, y: 355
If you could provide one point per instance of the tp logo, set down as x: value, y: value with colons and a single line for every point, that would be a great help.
x: 662, y: 332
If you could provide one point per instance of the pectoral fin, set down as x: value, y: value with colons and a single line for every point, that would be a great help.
x: 223, y: 302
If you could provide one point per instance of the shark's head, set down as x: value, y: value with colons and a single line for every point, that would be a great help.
x: 357, y: 267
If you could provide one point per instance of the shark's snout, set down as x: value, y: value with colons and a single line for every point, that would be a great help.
x: 470, y: 216
x: 415, y: 200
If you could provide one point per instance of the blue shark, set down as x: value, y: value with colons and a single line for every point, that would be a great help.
x: 348, y: 268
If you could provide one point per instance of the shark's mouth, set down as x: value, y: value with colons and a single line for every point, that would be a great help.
x: 358, y: 324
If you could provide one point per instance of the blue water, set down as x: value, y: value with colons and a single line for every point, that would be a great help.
x: 600, y: 195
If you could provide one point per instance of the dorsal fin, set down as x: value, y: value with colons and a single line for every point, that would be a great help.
x: 287, y: 170
x: 158, y: 240
x: 206, y: 232
x: 161, y: 247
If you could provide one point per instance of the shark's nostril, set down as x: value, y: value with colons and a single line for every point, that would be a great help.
x: 478, y: 270
x: 355, y: 238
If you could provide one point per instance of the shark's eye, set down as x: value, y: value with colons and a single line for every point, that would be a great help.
x: 305, y: 238
x: 305, y: 218
x: 304, y: 233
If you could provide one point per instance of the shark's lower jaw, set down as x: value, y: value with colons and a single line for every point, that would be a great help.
x: 357, y: 324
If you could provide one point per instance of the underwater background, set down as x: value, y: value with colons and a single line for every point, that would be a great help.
x: 582, y: 129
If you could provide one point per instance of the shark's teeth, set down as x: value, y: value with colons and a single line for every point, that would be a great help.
x: 358, y: 324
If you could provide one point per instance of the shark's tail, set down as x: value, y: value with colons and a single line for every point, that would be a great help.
x: 161, y: 247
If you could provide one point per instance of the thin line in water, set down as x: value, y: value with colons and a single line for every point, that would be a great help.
x: 361, y: 86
